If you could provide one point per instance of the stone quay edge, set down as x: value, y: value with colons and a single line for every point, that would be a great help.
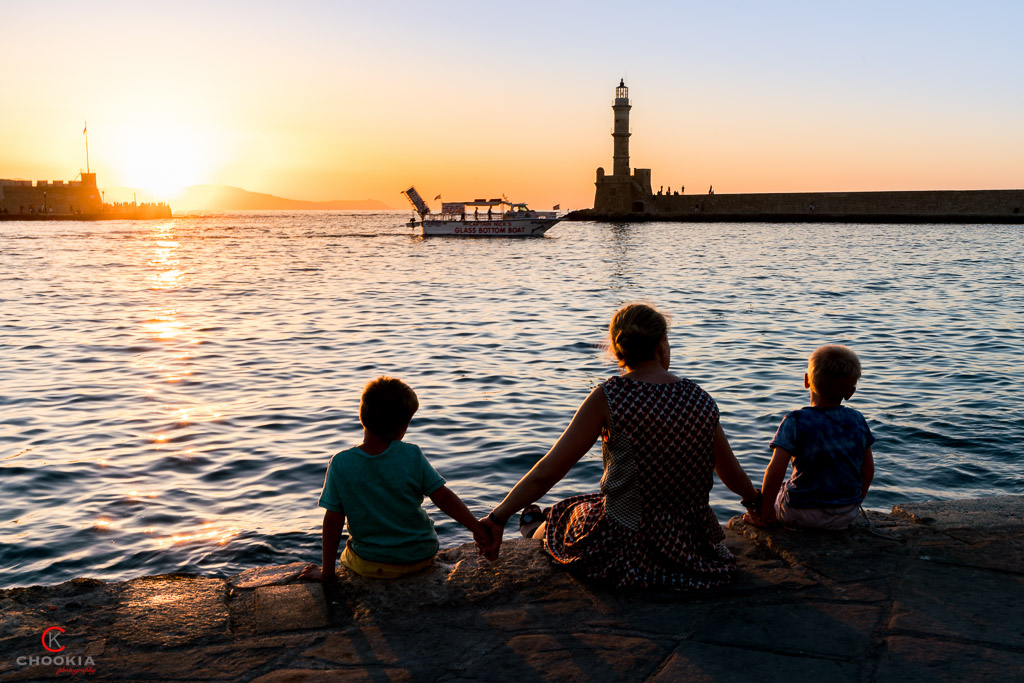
x: 930, y: 591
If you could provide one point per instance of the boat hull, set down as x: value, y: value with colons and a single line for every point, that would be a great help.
x: 518, y: 227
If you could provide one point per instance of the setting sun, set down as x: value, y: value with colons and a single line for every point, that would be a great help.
x: 161, y: 160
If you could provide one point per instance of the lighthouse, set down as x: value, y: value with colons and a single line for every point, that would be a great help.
x: 624, y: 191
x: 621, y: 107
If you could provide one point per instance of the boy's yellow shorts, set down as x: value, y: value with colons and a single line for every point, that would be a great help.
x: 379, y: 570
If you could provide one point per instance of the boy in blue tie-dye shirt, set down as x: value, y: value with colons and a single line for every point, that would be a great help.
x: 829, y: 446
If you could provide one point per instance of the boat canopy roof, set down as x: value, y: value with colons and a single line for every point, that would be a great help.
x: 485, y: 202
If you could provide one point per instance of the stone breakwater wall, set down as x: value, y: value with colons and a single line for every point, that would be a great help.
x: 23, y: 200
x: 932, y: 206
x: 929, y: 592
x: 49, y: 197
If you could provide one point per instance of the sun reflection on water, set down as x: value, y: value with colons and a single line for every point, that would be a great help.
x: 168, y: 273
x: 169, y: 361
x: 208, y: 532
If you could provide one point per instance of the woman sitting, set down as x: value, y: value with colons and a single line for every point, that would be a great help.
x: 651, y: 524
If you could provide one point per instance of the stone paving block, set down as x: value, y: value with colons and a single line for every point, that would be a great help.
x: 703, y: 663
x: 336, y: 676
x: 997, y: 512
x: 290, y: 608
x: 365, y: 646
x: 850, y: 555
x: 877, y: 590
x: 1001, y: 552
x: 215, y: 662
x: 170, y: 611
x: 568, y: 657
x: 567, y: 614
x: 960, y: 602
x: 824, y: 629
x: 523, y: 569
x: 22, y: 626
x: 275, y: 575
x: 759, y: 569
x: 81, y: 606
x: 517, y: 619
x: 664, y: 613
x: 460, y: 578
x: 917, y: 659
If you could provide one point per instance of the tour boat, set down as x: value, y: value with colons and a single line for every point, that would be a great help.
x: 480, y: 218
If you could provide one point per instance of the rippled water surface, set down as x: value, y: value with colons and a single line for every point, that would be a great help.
x: 172, y: 391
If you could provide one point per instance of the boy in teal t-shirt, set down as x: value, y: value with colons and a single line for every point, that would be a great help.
x: 378, y: 488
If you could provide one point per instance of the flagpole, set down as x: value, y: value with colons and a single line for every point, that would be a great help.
x: 85, y: 132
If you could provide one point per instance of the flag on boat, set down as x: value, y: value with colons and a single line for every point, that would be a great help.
x: 85, y: 127
x: 556, y: 207
x: 437, y: 197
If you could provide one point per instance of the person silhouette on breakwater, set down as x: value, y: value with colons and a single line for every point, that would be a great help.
x: 651, y: 524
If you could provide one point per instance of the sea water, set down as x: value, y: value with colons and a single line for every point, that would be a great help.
x: 172, y: 390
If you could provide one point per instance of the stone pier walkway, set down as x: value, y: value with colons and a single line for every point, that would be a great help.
x: 932, y: 591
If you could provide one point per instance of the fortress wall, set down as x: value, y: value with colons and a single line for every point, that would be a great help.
x: 934, y: 203
x: 58, y: 197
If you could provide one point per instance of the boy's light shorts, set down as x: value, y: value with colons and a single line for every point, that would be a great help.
x: 379, y: 570
x: 834, y: 519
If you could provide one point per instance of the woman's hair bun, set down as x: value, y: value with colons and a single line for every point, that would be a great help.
x: 635, y: 332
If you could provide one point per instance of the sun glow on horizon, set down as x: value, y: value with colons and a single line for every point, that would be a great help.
x: 161, y: 160
x: 272, y: 102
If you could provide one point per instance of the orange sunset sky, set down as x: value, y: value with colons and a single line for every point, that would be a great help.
x: 357, y: 100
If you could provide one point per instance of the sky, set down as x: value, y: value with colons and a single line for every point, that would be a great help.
x: 319, y: 100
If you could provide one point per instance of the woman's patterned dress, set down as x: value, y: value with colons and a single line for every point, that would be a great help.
x: 651, y: 525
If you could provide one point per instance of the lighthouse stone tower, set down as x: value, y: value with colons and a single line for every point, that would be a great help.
x: 622, y: 192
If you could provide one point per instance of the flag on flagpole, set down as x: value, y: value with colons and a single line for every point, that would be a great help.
x: 85, y: 127
x: 437, y: 197
x: 556, y: 207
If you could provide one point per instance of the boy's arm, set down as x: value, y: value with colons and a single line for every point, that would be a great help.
x: 450, y: 504
x: 334, y: 523
x: 774, y: 475
x: 330, y: 537
x: 867, y: 472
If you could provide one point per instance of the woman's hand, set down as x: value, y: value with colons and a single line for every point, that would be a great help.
x: 729, y: 469
x: 491, y: 550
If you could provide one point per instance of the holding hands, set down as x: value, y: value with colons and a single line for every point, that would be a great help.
x: 494, y: 529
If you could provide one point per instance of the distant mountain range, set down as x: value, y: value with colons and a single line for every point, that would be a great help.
x: 227, y: 198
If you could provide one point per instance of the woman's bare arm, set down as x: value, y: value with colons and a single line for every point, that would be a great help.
x: 572, y: 445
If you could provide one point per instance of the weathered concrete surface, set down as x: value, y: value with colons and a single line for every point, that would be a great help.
x: 929, y: 592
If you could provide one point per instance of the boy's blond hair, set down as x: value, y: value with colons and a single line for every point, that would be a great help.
x: 833, y: 371
x: 387, y: 406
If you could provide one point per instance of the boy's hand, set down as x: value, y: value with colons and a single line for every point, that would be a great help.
x: 484, y: 541
x: 754, y: 519
x: 314, y: 573
x: 491, y: 550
